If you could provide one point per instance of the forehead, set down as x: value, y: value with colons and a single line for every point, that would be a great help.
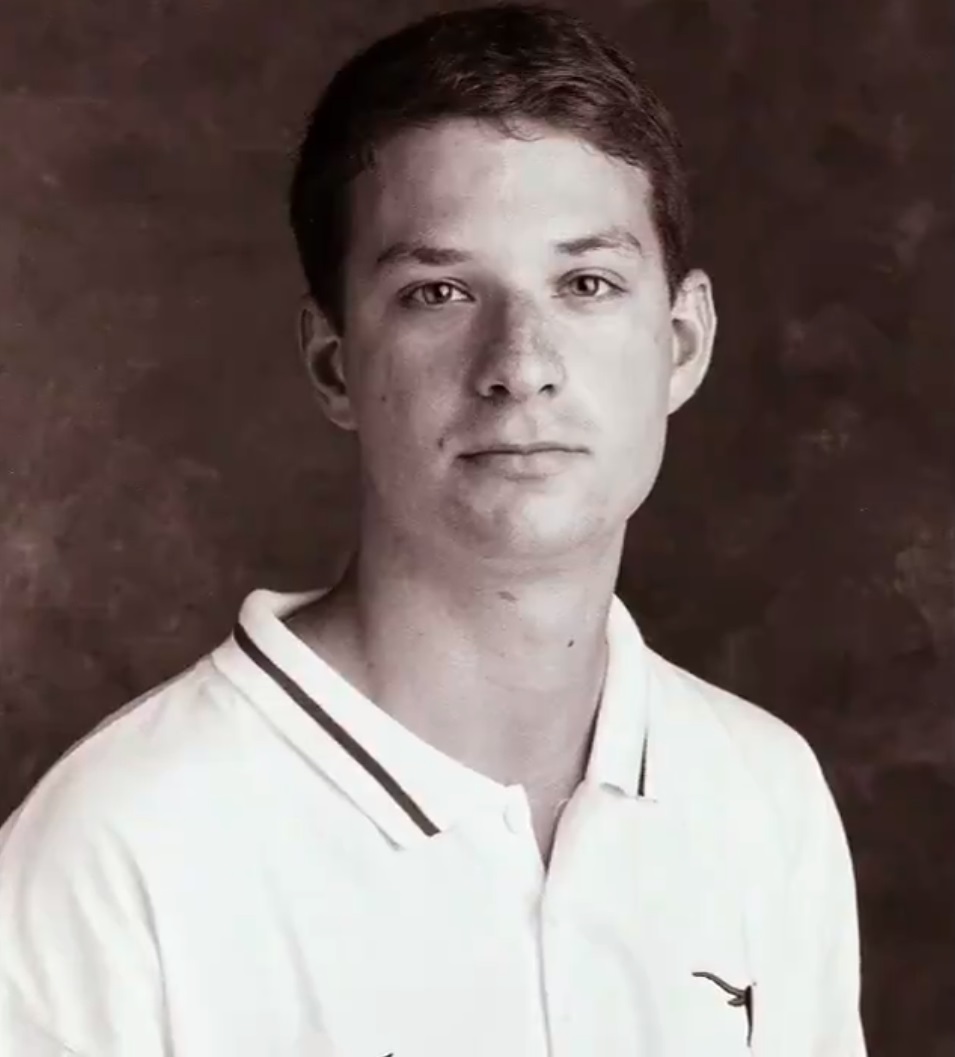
x: 470, y: 180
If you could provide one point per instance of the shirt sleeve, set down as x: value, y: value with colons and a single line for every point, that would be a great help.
x: 824, y: 903
x: 20, y: 1035
x: 79, y: 972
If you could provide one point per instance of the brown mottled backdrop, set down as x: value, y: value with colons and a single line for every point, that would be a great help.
x: 160, y: 453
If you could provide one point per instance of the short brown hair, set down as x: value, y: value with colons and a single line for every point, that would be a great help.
x: 501, y: 64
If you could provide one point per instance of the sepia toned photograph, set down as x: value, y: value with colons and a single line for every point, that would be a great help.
x: 477, y: 529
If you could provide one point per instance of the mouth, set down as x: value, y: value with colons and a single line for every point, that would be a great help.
x: 524, y: 449
x: 523, y: 461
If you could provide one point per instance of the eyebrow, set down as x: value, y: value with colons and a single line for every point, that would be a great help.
x: 419, y: 253
x: 611, y: 239
x: 423, y: 253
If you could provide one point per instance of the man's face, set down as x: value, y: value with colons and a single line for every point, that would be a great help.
x: 505, y: 293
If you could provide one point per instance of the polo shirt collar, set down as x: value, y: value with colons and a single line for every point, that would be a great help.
x: 619, y: 755
x: 408, y: 788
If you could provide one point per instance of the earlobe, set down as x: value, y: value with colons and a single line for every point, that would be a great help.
x: 693, y: 328
x: 322, y: 351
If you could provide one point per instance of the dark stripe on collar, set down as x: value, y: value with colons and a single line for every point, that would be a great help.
x: 642, y: 782
x: 334, y: 730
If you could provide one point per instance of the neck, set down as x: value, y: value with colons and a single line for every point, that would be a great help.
x: 500, y: 669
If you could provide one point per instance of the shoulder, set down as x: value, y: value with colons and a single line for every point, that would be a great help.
x: 751, y: 729
x: 137, y: 763
x: 743, y: 745
x: 78, y: 872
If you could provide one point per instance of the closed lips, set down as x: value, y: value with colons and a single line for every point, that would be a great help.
x: 521, y: 449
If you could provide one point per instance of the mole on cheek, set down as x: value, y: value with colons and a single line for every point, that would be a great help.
x: 507, y: 596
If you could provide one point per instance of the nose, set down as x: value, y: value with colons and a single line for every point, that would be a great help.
x: 519, y: 356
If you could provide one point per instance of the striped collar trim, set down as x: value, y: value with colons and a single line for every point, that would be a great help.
x: 408, y: 788
x: 337, y: 732
x: 622, y: 753
x: 411, y: 790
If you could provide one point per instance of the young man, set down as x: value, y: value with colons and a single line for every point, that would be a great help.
x: 454, y: 804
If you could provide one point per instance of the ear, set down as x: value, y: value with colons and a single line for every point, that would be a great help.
x: 693, y: 328
x: 321, y: 347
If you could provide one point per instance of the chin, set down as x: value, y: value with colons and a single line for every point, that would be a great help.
x: 530, y: 539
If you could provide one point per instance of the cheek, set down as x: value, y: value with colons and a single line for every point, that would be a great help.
x: 634, y: 384
x: 640, y: 426
x: 397, y: 404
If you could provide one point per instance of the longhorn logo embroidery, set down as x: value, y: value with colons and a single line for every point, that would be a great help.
x: 740, y: 997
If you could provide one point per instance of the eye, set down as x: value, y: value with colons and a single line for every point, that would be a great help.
x: 433, y: 295
x: 589, y: 286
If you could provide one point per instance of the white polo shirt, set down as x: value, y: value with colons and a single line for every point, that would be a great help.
x: 254, y: 859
